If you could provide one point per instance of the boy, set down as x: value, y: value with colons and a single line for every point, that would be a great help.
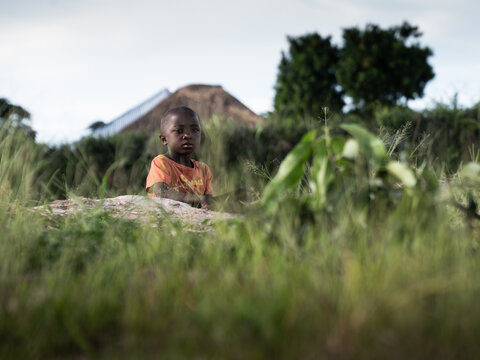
x: 175, y: 175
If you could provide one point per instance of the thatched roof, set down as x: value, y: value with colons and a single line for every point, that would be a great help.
x: 206, y: 100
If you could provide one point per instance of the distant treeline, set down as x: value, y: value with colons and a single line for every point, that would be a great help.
x: 442, y: 137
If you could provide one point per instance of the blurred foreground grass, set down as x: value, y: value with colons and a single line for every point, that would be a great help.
x: 401, y: 283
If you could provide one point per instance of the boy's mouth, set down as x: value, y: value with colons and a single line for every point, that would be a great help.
x: 187, y: 145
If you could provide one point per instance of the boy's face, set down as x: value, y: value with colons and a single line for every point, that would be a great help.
x: 181, y: 133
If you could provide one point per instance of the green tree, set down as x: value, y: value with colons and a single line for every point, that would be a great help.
x: 306, y: 77
x: 96, y: 125
x: 14, y: 117
x: 382, y: 66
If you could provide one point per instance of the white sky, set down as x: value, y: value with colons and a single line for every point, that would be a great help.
x: 72, y: 62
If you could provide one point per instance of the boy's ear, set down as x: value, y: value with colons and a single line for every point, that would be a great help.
x: 163, y: 139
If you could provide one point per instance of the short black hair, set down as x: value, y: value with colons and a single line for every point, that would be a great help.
x: 179, y: 110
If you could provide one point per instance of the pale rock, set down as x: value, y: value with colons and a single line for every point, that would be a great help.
x: 141, y: 208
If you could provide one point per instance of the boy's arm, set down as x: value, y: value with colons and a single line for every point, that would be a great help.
x: 207, y: 202
x: 163, y: 190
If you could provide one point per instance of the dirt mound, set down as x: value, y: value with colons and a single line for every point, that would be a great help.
x: 141, y: 208
x: 206, y: 100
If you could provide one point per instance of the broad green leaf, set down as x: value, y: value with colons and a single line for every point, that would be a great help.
x: 402, y: 173
x: 320, y: 147
x: 299, y: 154
x: 337, y: 144
x: 290, y: 172
x: 322, y: 176
x: 350, y: 150
x: 319, y: 152
x: 371, y: 145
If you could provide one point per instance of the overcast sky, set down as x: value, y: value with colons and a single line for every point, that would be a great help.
x: 72, y: 62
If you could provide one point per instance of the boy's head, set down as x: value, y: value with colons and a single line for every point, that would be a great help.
x: 180, y: 131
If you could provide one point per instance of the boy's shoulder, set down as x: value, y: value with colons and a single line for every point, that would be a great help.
x: 160, y: 161
x: 160, y: 157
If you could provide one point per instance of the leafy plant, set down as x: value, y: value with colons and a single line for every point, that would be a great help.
x: 342, y: 286
x: 360, y: 162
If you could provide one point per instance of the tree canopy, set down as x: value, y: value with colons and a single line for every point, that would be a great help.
x: 10, y: 111
x: 96, y: 125
x: 380, y: 66
x: 306, y: 77
x: 374, y: 66
x: 14, y: 116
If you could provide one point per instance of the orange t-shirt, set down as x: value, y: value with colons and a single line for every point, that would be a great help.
x: 196, y: 180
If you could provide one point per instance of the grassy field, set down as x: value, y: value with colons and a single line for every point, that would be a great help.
x: 328, y: 263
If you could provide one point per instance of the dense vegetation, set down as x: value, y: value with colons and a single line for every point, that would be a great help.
x: 360, y: 238
x: 373, y: 67
x: 442, y: 137
x: 356, y: 248
x: 306, y: 79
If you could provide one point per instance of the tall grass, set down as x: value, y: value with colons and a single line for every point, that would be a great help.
x: 19, y: 164
x: 396, y: 281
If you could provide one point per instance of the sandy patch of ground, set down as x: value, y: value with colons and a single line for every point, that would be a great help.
x: 142, y: 208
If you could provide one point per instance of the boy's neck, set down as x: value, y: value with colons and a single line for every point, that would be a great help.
x: 180, y: 159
